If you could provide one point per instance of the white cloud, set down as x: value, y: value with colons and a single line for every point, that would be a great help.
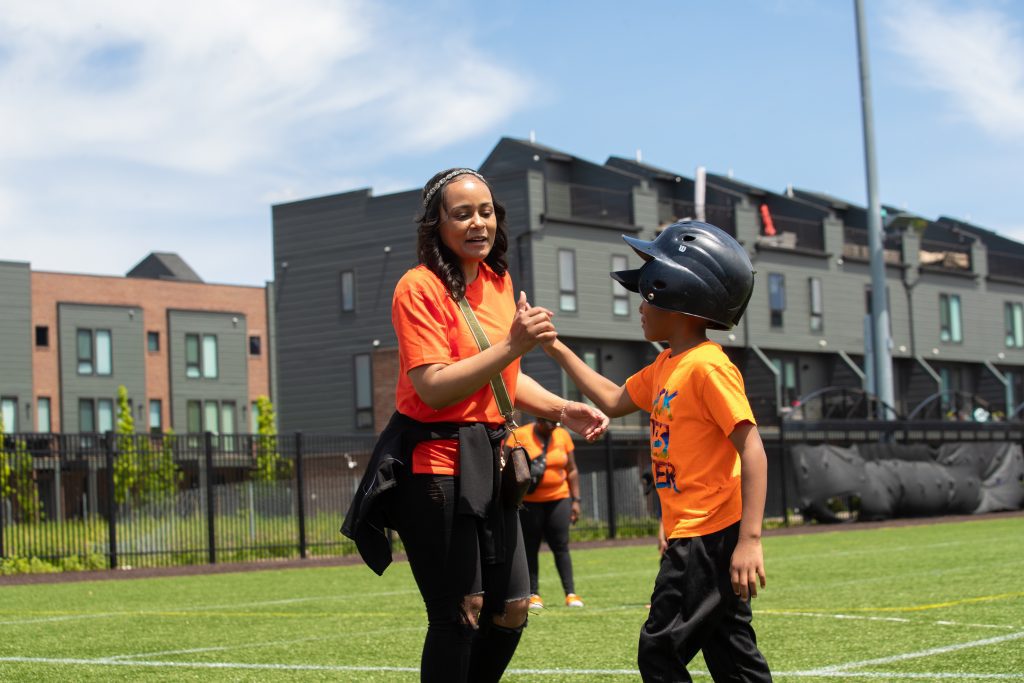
x: 174, y: 116
x: 974, y: 55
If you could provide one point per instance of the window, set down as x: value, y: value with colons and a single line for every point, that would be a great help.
x: 567, y: 280
x: 227, y: 424
x: 211, y: 417
x: 817, y: 309
x: 9, y: 414
x: 776, y: 297
x: 364, y: 390
x: 156, y: 415
x: 43, y: 422
x: 348, y: 291
x: 95, y: 352
x: 790, y: 385
x: 201, y: 356
x: 1013, y: 314
x: 620, y: 295
x: 42, y: 336
x: 194, y: 417
x: 86, y: 415
x: 255, y: 346
x: 104, y: 415
x: 153, y: 341
x: 569, y: 388
x: 254, y: 417
x: 869, y: 306
x: 950, y: 327
x: 209, y: 356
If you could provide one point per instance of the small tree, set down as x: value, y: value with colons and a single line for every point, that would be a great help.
x: 270, y: 466
x: 17, y: 477
x: 142, y: 471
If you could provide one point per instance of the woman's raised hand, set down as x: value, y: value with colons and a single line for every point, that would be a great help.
x: 531, y: 326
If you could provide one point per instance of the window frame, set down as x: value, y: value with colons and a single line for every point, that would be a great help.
x: 157, y: 428
x: 153, y: 341
x: 776, y: 299
x: 201, y: 366
x: 951, y: 329
x: 620, y: 295
x: 1013, y: 324
x: 42, y: 336
x: 817, y: 304
x: 347, y: 291
x: 40, y: 401
x: 255, y: 341
x: 7, y: 401
x: 567, y: 286
x: 362, y: 398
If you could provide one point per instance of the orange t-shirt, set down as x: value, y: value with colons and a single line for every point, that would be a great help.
x: 554, y: 485
x: 696, y: 400
x: 431, y: 329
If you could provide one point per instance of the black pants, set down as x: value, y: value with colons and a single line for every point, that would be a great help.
x: 693, y: 608
x: 444, y: 555
x: 548, y: 521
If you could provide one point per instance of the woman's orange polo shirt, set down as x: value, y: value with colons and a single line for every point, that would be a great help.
x: 431, y: 329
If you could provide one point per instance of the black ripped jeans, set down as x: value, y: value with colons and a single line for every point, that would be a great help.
x: 444, y: 555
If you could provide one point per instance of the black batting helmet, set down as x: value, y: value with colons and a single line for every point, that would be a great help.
x: 693, y: 268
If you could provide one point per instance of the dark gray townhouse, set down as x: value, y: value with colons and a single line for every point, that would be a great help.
x: 955, y: 291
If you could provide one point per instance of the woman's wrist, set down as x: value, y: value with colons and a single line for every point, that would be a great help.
x: 561, y: 413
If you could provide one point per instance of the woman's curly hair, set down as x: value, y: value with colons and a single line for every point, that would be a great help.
x: 441, y: 261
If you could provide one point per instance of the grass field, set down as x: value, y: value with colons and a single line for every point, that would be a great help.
x: 931, y: 602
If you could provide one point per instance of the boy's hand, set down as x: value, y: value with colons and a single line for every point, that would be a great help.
x: 662, y: 541
x: 590, y: 423
x: 747, y: 568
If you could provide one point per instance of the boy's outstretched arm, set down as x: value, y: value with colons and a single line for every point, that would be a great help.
x: 747, y: 567
x: 611, y: 398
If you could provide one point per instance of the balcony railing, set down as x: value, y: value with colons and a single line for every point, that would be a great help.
x: 605, y: 205
x: 1006, y: 265
x: 719, y: 215
x: 792, y: 233
x: 855, y: 246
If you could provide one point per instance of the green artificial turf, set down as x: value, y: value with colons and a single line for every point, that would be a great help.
x: 939, y: 601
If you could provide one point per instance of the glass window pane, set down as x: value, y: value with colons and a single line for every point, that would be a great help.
x: 777, y: 291
x: 364, y: 381
x: 155, y: 414
x: 153, y: 341
x: 254, y: 416
x: 348, y: 300
x: 9, y: 413
x: 104, y: 415
x: 194, y: 417
x: 209, y: 356
x: 566, y: 271
x: 620, y: 306
x: 43, y: 415
x: 191, y: 355
x: 211, y: 417
x: 1018, y: 325
x: 104, y: 353
x: 86, y: 416
x: 227, y: 417
x: 85, y: 352
x: 567, y: 302
x: 815, y: 296
x: 955, y: 329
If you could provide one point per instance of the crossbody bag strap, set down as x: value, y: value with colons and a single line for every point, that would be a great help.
x: 497, y: 383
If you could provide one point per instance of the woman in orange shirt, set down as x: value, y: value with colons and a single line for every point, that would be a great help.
x: 553, y: 506
x: 465, y: 548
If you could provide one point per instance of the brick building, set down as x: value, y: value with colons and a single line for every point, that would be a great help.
x: 193, y: 356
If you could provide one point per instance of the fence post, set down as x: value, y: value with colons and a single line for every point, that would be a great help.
x: 111, y: 500
x: 211, y: 513
x: 300, y: 491
x: 610, y: 480
x: 783, y: 471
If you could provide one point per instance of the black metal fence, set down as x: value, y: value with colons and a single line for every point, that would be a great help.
x: 95, y: 501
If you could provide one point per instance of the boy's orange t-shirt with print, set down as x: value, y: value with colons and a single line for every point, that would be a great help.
x: 554, y: 485
x: 431, y: 329
x: 696, y: 400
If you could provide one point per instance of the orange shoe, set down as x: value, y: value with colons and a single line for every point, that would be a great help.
x: 573, y: 600
x: 535, y: 602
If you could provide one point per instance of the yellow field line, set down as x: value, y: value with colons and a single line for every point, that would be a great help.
x: 911, y: 608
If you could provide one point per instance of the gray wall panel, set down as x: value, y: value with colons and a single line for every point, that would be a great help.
x: 16, y: 339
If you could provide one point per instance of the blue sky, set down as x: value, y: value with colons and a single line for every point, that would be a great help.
x: 138, y: 127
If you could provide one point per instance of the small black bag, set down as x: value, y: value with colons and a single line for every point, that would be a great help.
x: 516, y: 476
x: 537, y: 467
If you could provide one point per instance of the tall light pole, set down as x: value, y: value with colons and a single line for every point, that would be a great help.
x: 882, y: 347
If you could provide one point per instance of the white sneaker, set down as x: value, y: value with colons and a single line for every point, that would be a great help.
x: 573, y: 600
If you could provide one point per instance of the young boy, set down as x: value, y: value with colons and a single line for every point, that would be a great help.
x: 708, y: 461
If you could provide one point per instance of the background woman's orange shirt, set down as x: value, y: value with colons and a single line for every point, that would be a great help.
x: 431, y: 329
x: 555, y: 483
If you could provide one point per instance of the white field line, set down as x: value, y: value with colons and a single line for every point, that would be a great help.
x: 830, y: 675
x: 899, y: 620
x: 922, y: 653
